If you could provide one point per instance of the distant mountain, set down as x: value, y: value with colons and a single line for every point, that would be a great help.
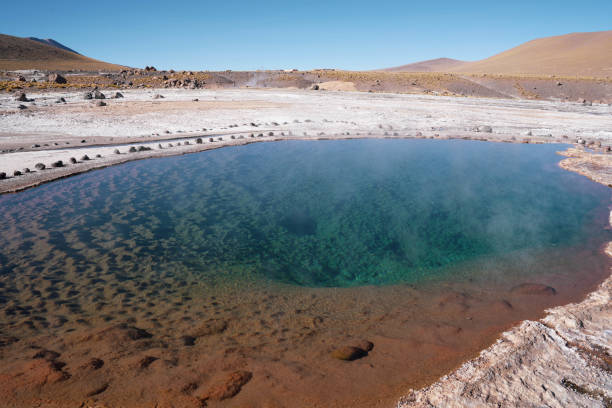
x: 52, y: 42
x: 434, y: 65
x: 25, y: 53
x: 577, y: 54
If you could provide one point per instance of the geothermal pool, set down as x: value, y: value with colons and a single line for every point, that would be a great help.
x: 266, y: 258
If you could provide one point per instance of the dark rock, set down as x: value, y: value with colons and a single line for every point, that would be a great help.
x: 229, y: 387
x: 23, y: 98
x: 143, y: 148
x: 117, y: 151
x: 58, y: 163
x: 98, y: 95
x: 365, y: 345
x: 87, y: 95
x: 40, y: 166
x: 132, y: 149
x: 270, y: 133
x: 533, y: 289
x: 101, y: 103
x: 210, y: 139
x: 85, y: 157
x: 21, y: 78
x: 83, y: 141
x: 61, y: 100
x: 56, y: 79
x: 34, y: 146
x: 94, y: 364
x: 232, y: 137
x: 349, y: 353
x: 73, y: 160
x: 16, y: 173
x: 159, y: 146
x: 188, y: 340
x: 98, y: 155
x: 46, y: 354
x: 22, y: 107
x: 118, y: 95
x: 199, y: 140
x: 2, y: 175
x: 26, y: 170
x: 315, y: 87
x: 186, y: 142
x: 146, y: 361
x: 158, y: 96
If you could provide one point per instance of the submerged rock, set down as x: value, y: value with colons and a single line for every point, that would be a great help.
x: 533, y: 289
x: 349, y: 353
x: 229, y: 387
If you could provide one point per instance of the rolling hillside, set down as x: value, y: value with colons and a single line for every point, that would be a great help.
x: 24, y: 53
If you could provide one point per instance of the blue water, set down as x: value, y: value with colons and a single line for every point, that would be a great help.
x: 325, y: 213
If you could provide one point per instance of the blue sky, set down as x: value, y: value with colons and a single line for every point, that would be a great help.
x: 356, y: 35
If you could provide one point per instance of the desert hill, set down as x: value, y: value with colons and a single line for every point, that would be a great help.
x: 576, y: 54
x: 24, y: 53
x: 434, y: 65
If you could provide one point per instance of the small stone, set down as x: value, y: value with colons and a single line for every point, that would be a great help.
x: 58, y: 163
x: 16, y: 173
x: 34, y: 146
x: 85, y: 157
x: 118, y: 95
x: 87, y: 95
x: 22, y: 107
x: 132, y: 149
x: 2, y: 175
x: 98, y: 95
x: 199, y: 140
x: 61, y: 100
x: 116, y: 151
x: 98, y: 155
x: 40, y: 166
x: 188, y: 340
x: 101, y: 103
x: 26, y: 170
x: 73, y: 160
x: 210, y: 139
x: 83, y: 141
x: 23, y: 98
x: 56, y: 79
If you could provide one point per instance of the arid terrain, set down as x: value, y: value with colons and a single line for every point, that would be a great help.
x: 62, y: 113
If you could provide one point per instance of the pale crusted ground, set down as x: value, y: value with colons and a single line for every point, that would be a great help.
x: 47, y: 131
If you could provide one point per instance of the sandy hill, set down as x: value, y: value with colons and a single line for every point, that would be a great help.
x: 24, y: 53
x: 52, y: 42
x: 577, y: 54
x: 434, y: 65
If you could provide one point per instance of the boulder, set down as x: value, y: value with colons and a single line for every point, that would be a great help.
x: 132, y: 149
x: 85, y: 157
x: 40, y: 166
x: 199, y: 140
x: 158, y: 96
x: 58, y: 163
x: 2, y: 175
x: 98, y: 95
x: 73, y: 160
x: 117, y: 151
x: 16, y: 173
x: 56, y: 79
x: 118, y: 95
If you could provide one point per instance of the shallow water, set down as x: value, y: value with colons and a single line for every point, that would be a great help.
x: 300, y: 246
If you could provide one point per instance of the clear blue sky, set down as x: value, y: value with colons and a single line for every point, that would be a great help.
x: 251, y: 34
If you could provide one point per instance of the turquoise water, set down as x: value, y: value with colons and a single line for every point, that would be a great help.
x: 325, y: 213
